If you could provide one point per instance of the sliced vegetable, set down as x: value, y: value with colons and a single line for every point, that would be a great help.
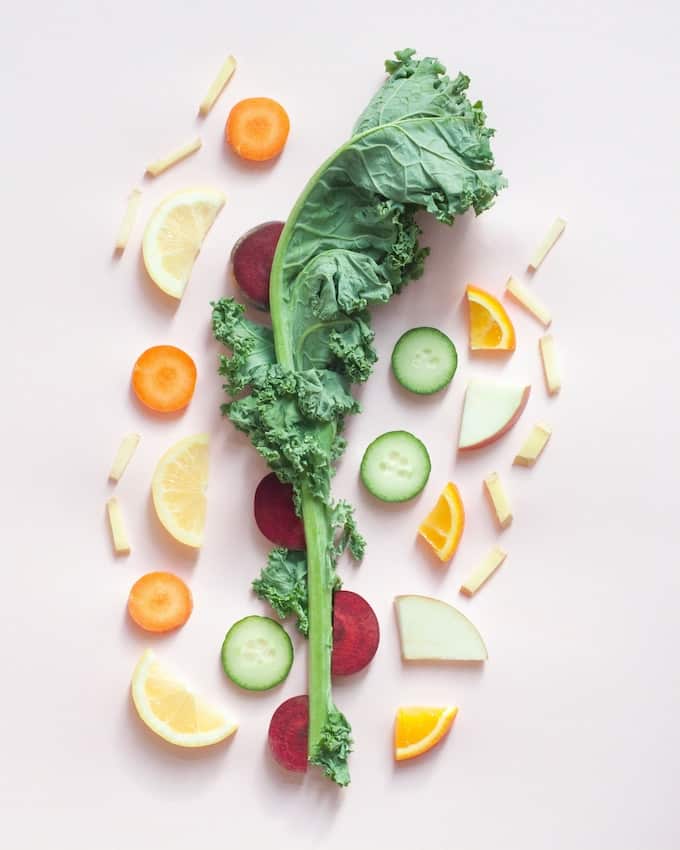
x: 275, y: 515
x: 489, y: 325
x: 178, y: 489
x: 356, y: 633
x: 533, y: 445
x: 498, y: 499
x: 489, y: 411
x: 257, y: 128
x: 160, y: 165
x: 483, y: 571
x: 551, y: 372
x: 443, y: 527
x: 217, y: 85
x: 556, y: 230
x: 257, y: 653
x: 173, y: 710
x: 251, y: 261
x: 126, y: 225
x: 288, y: 731
x: 123, y: 456
x: 164, y: 378
x: 174, y: 235
x: 419, y: 728
x: 395, y: 467
x: 432, y: 630
x: 159, y: 602
x: 526, y: 298
x: 121, y: 544
x: 424, y: 360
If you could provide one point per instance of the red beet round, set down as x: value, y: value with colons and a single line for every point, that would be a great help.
x: 288, y: 733
x: 275, y: 513
x: 251, y: 261
x: 356, y: 633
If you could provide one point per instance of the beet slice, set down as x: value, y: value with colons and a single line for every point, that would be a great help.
x: 251, y: 261
x: 356, y: 633
x: 275, y: 513
x: 287, y: 735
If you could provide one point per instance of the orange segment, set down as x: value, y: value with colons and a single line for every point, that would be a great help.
x: 443, y: 526
x: 418, y: 728
x: 490, y: 326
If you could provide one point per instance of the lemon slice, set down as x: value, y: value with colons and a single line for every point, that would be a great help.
x: 178, y: 489
x: 174, y: 235
x: 172, y: 710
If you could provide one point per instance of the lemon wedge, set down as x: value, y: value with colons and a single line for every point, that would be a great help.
x: 173, y: 711
x: 178, y: 489
x: 174, y: 235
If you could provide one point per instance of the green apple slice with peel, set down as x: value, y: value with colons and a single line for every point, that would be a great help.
x: 490, y: 409
x: 433, y: 630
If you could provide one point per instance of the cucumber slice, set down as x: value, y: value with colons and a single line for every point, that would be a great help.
x: 424, y: 360
x: 257, y: 653
x: 395, y: 467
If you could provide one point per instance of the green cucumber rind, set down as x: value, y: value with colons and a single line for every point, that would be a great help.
x: 409, y: 385
x: 427, y: 466
x: 226, y: 665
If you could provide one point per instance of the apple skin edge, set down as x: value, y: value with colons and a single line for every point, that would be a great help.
x: 508, y: 425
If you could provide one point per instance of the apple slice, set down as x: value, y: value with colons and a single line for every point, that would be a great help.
x: 489, y: 411
x: 432, y: 630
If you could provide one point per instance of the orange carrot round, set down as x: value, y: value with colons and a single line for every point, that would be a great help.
x: 164, y: 378
x: 257, y: 128
x: 159, y: 602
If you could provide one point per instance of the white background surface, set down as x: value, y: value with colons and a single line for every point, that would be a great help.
x: 568, y: 738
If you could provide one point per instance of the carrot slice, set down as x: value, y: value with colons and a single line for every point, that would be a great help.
x: 164, y: 378
x: 257, y: 128
x: 159, y: 602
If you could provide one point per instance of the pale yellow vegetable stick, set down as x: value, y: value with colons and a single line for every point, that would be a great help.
x: 553, y: 381
x: 161, y: 165
x: 533, y: 445
x: 125, y: 451
x: 499, y: 499
x: 556, y: 230
x: 483, y: 571
x: 524, y: 296
x: 217, y: 85
x: 128, y: 221
x: 121, y: 544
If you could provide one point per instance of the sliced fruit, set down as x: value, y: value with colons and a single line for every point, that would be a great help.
x: 490, y: 326
x: 395, y: 467
x: 288, y: 732
x: 172, y: 710
x: 164, y: 378
x: 356, y: 633
x: 121, y: 544
x: 217, y: 85
x: 160, y: 602
x: 533, y: 445
x: 251, y: 261
x: 556, y: 230
x: 123, y: 456
x: 526, y: 298
x: 424, y: 360
x: 257, y: 653
x: 498, y: 498
x: 160, y: 165
x: 483, y: 571
x: 433, y: 630
x: 490, y: 409
x: 419, y: 728
x: 275, y: 515
x: 551, y: 371
x: 174, y: 235
x: 178, y: 489
x: 128, y: 221
x: 443, y: 527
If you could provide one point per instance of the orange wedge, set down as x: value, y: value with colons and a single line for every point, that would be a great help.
x: 418, y: 728
x: 443, y: 526
x: 490, y: 326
